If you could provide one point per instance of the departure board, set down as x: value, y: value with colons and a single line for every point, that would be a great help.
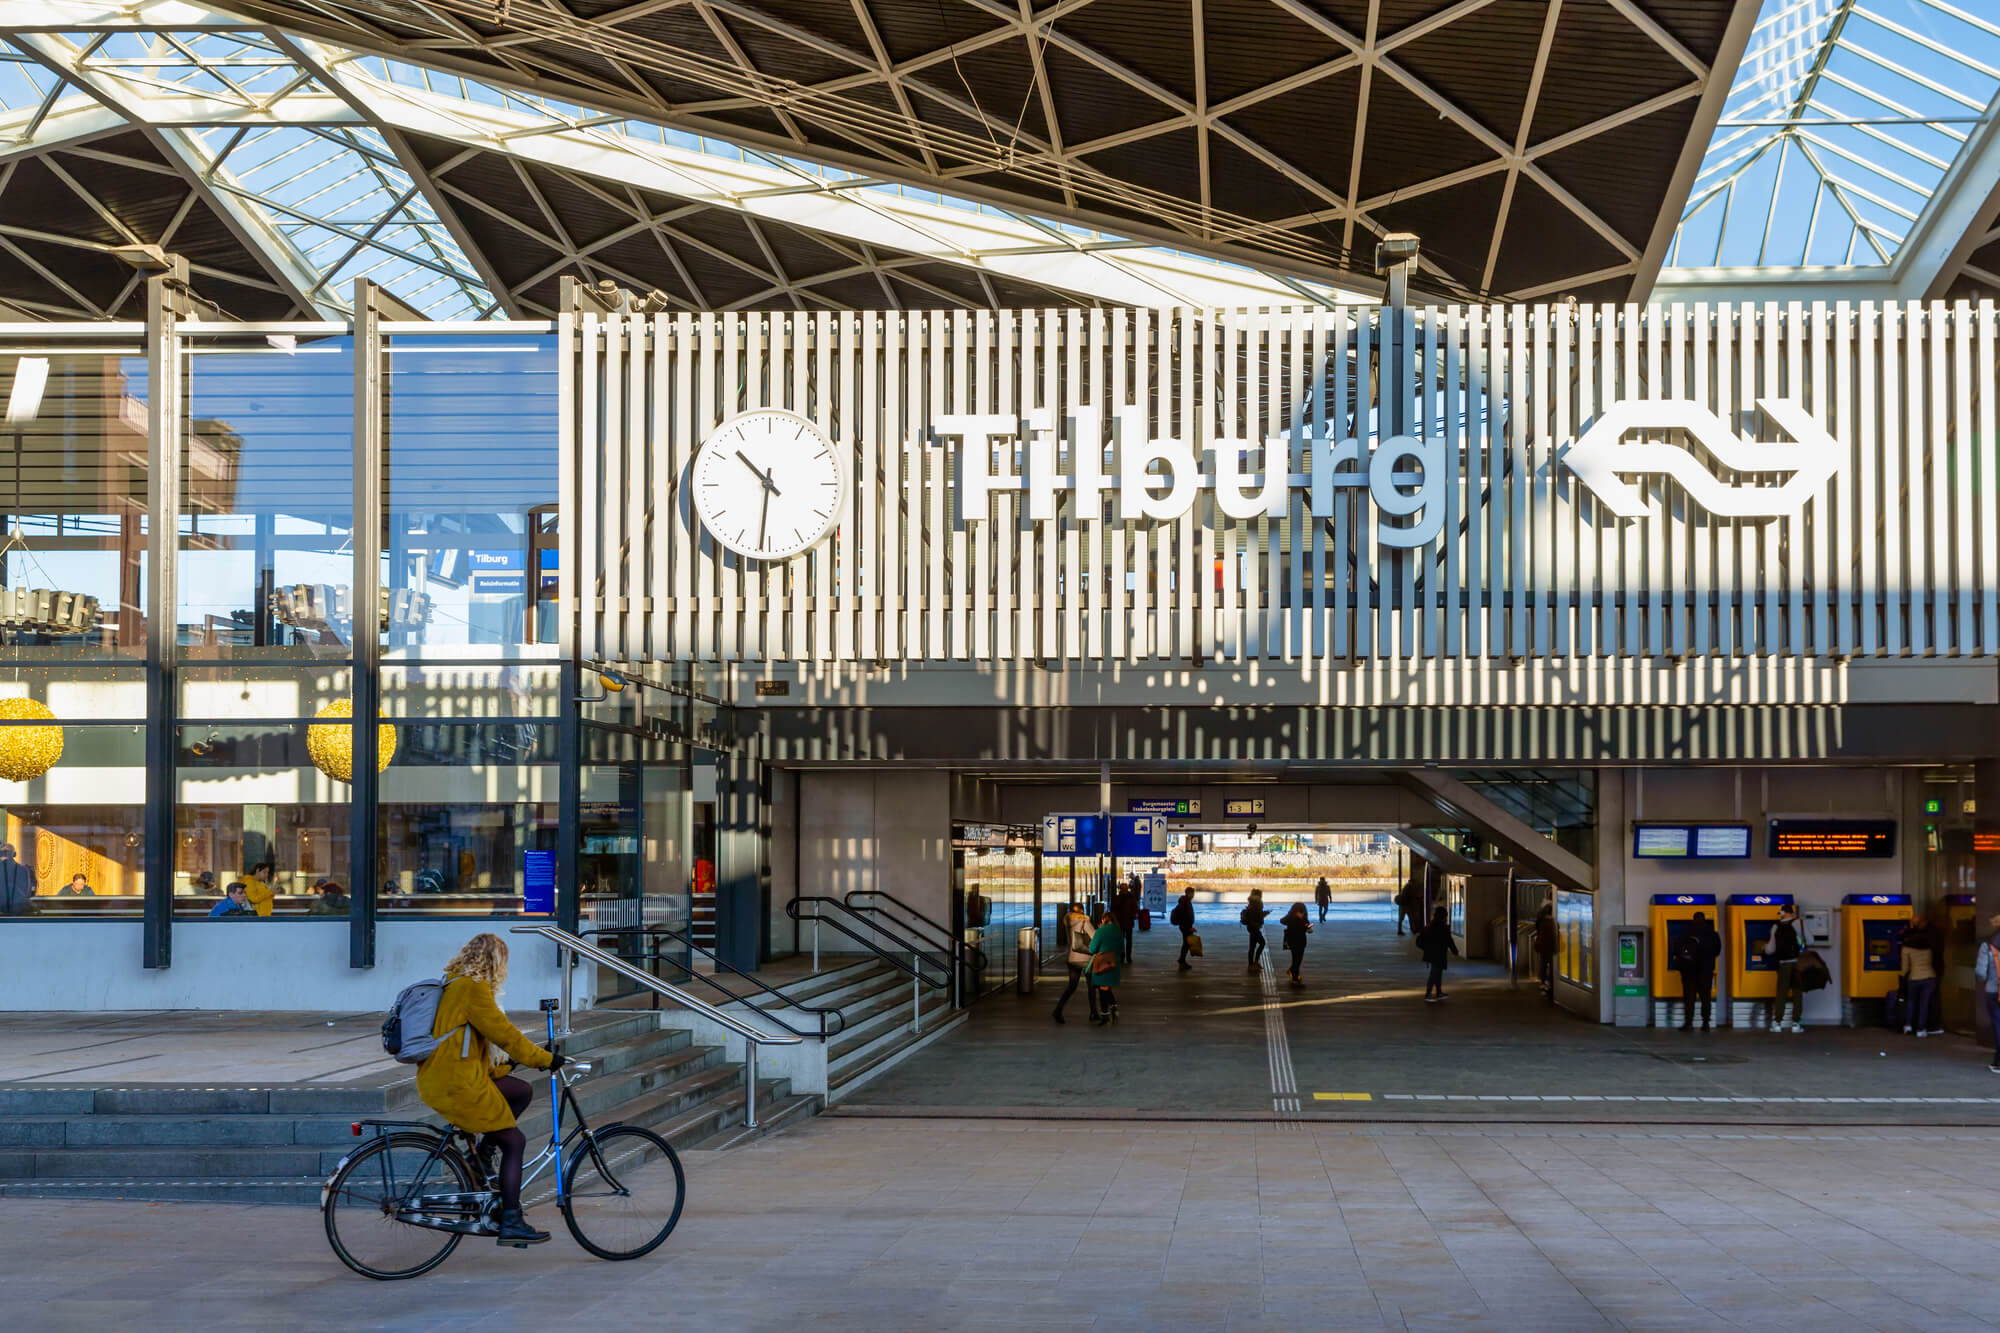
x: 1830, y: 839
x: 1690, y: 842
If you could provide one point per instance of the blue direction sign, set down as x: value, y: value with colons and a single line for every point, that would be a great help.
x: 1073, y: 835
x: 1138, y: 836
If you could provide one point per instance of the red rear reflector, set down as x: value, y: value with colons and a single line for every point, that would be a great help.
x: 356, y: 1127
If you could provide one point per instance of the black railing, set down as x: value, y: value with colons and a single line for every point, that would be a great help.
x: 908, y: 956
x: 955, y: 947
x: 829, y: 1021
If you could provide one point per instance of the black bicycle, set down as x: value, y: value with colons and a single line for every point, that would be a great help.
x: 398, y: 1206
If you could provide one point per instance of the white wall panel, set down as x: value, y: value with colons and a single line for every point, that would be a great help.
x: 1895, y: 553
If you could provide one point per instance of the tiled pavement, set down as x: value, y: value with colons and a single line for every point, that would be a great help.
x: 936, y: 1225
x: 1359, y: 1043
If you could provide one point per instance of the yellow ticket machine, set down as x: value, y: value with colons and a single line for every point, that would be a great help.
x: 1752, y: 974
x: 1960, y: 987
x: 1871, y: 931
x: 1670, y: 915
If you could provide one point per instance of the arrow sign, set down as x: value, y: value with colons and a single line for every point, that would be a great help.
x: 1601, y: 455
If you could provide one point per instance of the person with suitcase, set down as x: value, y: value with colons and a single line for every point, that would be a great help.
x: 1183, y: 917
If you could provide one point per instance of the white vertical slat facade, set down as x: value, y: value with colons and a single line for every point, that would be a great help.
x: 1897, y: 553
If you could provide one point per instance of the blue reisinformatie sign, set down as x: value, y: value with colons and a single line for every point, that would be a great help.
x: 538, y: 883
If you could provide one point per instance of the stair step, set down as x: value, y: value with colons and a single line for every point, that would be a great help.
x: 844, y: 1070
x: 288, y: 1189
x: 182, y: 1161
x: 778, y: 1114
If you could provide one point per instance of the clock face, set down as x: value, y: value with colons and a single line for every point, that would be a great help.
x: 768, y: 484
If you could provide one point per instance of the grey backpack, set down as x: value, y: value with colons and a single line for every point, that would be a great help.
x: 406, y: 1032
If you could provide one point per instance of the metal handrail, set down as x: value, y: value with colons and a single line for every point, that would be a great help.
x: 751, y: 1034
x: 838, y: 1025
x: 906, y: 946
x: 918, y: 981
x: 952, y: 943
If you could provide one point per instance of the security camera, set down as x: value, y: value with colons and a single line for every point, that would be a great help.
x: 1253, y: 830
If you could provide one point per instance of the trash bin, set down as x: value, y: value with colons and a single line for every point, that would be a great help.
x: 1027, y: 959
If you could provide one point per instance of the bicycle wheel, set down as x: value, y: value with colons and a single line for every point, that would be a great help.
x: 623, y: 1191
x: 361, y: 1202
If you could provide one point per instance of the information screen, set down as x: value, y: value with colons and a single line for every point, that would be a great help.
x: 1827, y: 839
x: 1676, y: 842
x: 1662, y: 840
x: 1722, y: 840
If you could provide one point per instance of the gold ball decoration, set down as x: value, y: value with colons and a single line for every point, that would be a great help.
x: 332, y: 747
x: 28, y: 752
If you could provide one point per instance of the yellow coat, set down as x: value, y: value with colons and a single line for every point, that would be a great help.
x: 457, y: 1083
x: 258, y: 893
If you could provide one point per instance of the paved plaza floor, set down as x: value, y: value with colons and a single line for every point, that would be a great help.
x: 1357, y: 1042
x: 946, y: 1225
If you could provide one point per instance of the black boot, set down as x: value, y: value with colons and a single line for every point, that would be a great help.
x: 515, y: 1231
x: 1059, y: 1017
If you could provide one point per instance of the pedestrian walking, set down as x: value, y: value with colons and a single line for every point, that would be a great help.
x: 1323, y: 895
x: 1783, y: 949
x: 1077, y: 930
x: 1545, y: 950
x: 1694, y: 956
x: 1437, y: 945
x: 1986, y: 967
x: 1106, y: 948
x: 1297, y: 927
x: 1125, y: 908
x: 1923, y: 964
x: 1409, y: 907
x: 1253, y: 921
x: 1183, y: 917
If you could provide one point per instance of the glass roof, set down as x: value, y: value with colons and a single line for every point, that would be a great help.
x: 1843, y: 126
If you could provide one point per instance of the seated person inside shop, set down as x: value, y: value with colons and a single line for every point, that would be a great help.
x: 78, y: 887
x: 329, y: 899
x: 235, y: 902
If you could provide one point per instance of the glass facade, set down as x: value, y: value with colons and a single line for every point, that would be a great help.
x: 256, y: 711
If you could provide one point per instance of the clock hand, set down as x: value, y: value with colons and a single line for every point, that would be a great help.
x: 764, y: 522
x: 765, y: 477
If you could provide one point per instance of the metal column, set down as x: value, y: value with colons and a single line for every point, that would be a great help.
x: 364, y: 791
x: 167, y: 304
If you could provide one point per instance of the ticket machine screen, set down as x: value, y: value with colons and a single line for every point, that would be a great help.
x: 1755, y: 934
x: 1880, y: 947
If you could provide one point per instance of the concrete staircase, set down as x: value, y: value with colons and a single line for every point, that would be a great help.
x: 875, y: 999
x: 237, y: 1143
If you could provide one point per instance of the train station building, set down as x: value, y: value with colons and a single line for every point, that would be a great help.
x: 780, y: 484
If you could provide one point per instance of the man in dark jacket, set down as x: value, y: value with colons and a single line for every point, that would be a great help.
x: 1323, y: 895
x: 1784, y: 950
x: 1125, y: 908
x: 1410, y: 907
x: 1694, y: 958
x: 1546, y: 942
x: 17, y: 885
x: 1183, y: 917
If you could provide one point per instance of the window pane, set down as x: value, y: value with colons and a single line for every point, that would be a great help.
x: 469, y: 469
x: 461, y: 803
x: 253, y: 794
x: 267, y: 477
x: 73, y: 489
x: 77, y: 830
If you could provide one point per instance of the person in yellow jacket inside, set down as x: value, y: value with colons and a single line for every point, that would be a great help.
x: 467, y: 1083
x: 257, y: 887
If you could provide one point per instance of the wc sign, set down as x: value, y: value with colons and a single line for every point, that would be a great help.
x: 1406, y: 477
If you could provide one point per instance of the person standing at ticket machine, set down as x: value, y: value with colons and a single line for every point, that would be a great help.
x: 1783, y: 949
x: 1695, y: 953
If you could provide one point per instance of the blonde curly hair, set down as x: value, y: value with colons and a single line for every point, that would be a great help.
x: 483, y: 958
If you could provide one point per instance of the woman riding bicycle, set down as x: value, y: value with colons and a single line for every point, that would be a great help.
x: 468, y: 1084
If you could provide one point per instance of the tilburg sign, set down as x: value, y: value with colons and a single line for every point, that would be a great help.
x: 1405, y: 476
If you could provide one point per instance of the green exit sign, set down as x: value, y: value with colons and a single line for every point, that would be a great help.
x: 1933, y: 807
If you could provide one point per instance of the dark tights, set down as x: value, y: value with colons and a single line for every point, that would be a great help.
x: 512, y: 1143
